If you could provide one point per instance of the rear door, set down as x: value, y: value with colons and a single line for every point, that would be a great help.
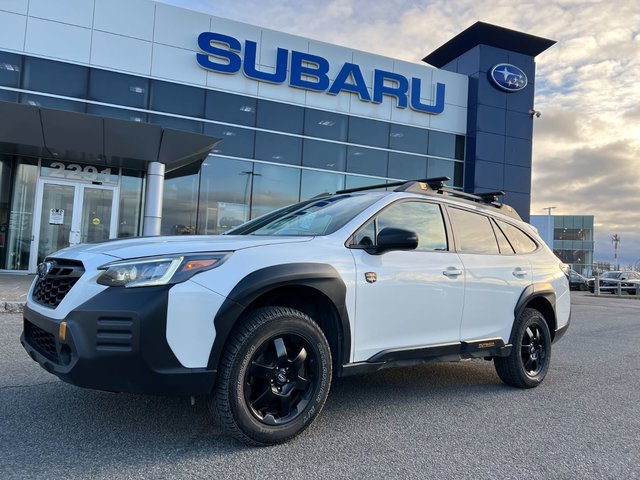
x: 495, y: 276
x: 407, y: 299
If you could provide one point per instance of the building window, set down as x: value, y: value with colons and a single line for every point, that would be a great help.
x: 314, y: 183
x: 407, y: 167
x: 119, y: 89
x: 321, y: 124
x: 280, y: 117
x: 367, y: 161
x: 273, y: 187
x: 229, y: 108
x: 278, y: 148
x: 237, y: 142
x: 368, y: 132
x: 325, y: 155
x: 446, y: 145
x: 54, y: 77
x: 178, y: 99
x: 408, y: 139
x: 10, y: 69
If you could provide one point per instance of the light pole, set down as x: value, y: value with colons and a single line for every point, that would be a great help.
x: 615, y: 240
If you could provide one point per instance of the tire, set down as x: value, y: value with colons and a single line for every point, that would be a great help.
x: 273, y: 378
x: 528, y: 363
x: 583, y: 287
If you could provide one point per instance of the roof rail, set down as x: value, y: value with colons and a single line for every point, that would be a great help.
x: 431, y: 183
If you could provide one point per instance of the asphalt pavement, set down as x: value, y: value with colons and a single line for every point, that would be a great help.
x: 438, y: 421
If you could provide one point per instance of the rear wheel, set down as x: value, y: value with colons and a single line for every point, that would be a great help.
x: 528, y: 363
x: 274, y: 377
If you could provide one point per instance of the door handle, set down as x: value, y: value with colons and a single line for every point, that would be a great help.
x: 519, y: 273
x: 452, y: 272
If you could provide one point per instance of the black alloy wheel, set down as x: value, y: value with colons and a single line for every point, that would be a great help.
x: 273, y: 378
x: 533, y: 350
x: 279, y: 380
x: 528, y: 363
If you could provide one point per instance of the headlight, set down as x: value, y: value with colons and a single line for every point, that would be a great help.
x: 146, y: 272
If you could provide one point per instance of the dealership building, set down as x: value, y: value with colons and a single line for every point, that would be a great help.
x: 122, y: 118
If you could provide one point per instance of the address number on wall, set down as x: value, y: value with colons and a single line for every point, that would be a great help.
x: 73, y: 171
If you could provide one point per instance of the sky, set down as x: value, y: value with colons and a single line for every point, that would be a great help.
x: 586, y: 143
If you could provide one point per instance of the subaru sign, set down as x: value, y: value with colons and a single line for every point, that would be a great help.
x: 508, y: 77
x: 224, y: 54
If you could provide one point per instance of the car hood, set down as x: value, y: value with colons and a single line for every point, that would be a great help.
x: 152, y: 246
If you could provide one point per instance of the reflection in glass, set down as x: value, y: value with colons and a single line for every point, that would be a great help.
x: 179, y: 99
x: 314, y: 183
x: 409, y: 139
x: 179, y: 207
x: 177, y: 123
x: 278, y: 148
x: 407, y: 167
x: 225, y: 192
x: 280, y: 116
x: 54, y: 103
x: 273, y: 187
x: 119, y: 113
x: 421, y: 217
x: 55, y: 77
x: 118, y: 88
x: 20, y: 221
x: 130, y: 211
x: 237, y: 142
x: 446, y: 168
x: 367, y: 161
x: 95, y: 224
x: 474, y: 233
x: 325, y: 155
x: 318, y: 123
x: 230, y: 108
x: 55, y: 220
x: 368, y: 132
x: 10, y: 69
x: 354, y: 181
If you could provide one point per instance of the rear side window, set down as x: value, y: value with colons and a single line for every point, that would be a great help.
x: 473, y: 232
x: 520, y: 241
x: 503, y: 243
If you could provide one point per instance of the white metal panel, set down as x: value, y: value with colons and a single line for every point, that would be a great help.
x: 179, y: 27
x: 75, y: 12
x: 336, y: 55
x: 133, y: 19
x: 336, y: 103
x: 453, y: 119
x: 411, y: 117
x: 13, y: 31
x: 121, y: 53
x: 15, y: 6
x: 457, y: 86
x: 368, y: 62
x: 236, y: 83
x: 190, y: 328
x: 241, y: 31
x: 177, y: 64
x: 494, y: 283
x: 282, y: 93
x: 423, y: 72
x: 57, y: 40
x: 412, y: 303
x: 381, y: 111
x: 272, y: 40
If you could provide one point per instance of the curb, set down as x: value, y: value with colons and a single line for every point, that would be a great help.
x: 11, y: 307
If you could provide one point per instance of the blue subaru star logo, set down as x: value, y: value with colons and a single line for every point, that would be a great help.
x: 508, y: 77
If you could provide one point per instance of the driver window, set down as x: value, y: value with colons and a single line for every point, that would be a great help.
x: 421, y: 217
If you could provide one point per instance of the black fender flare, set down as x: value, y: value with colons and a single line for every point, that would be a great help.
x: 533, y: 291
x: 319, y: 276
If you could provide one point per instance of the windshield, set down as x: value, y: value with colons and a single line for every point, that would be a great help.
x: 611, y: 275
x: 321, y: 216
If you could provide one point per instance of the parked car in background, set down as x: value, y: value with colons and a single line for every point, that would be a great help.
x: 609, y: 282
x: 577, y: 281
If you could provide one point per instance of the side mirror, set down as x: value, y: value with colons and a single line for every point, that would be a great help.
x: 394, y: 239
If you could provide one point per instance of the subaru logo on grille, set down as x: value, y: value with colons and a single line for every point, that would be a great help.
x: 43, y: 269
x: 508, y: 77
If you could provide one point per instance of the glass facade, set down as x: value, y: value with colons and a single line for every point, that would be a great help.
x: 271, y: 153
x: 573, y: 241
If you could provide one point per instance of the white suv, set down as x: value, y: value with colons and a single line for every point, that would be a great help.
x: 260, y: 319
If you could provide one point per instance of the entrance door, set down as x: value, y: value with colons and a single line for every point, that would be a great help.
x: 70, y: 213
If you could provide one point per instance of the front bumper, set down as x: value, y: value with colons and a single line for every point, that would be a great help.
x: 117, y: 342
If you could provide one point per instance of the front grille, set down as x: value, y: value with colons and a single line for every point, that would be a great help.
x: 44, y: 342
x: 62, y: 276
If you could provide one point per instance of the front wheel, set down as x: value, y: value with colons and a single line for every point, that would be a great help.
x: 528, y: 362
x: 274, y: 377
